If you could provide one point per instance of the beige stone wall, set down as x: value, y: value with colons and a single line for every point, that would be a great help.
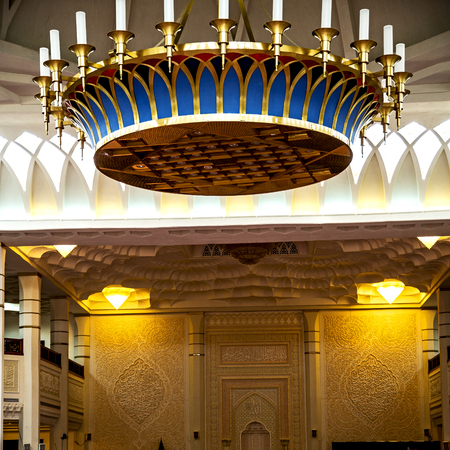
x: 254, y: 374
x: 371, y: 376
x: 139, y: 366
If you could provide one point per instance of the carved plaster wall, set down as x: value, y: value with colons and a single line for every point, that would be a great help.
x: 254, y: 374
x: 371, y: 376
x: 139, y: 382
x: 11, y: 376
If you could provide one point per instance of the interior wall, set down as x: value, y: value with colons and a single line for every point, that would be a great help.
x: 12, y: 325
x: 139, y: 391
x: 371, y: 376
x: 254, y: 375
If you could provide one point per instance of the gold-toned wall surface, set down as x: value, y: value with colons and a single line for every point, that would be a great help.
x: 371, y: 376
x: 254, y: 376
x: 139, y: 382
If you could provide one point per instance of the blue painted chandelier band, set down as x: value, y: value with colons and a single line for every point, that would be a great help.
x: 249, y: 84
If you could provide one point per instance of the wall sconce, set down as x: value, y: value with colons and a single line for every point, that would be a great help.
x: 64, y: 250
x: 428, y: 241
x: 389, y: 289
x: 116, y: 294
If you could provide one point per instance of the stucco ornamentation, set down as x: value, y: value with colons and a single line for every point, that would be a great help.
x: 11, y: 376
x: 254, y: 373
x: 139, y: 367
x: 75, y: 393
x: 49, y: 383
x: 371, y: 377
x: 140, y: 392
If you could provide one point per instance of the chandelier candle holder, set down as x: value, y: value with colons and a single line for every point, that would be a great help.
x: 277, y: 29
x: 169, y: 30
x: 223, y: 28
x: 325, y: 36
x: 45, y: 97
x: 82, y: 52
x: 230, y: 118
x: 121, y: 39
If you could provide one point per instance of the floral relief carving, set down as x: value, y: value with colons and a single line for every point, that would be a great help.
x: 369, y: 381
x: 371, y: 376
x: 139, y: 367
x: 140, y: 392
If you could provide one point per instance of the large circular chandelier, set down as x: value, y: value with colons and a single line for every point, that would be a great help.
x: 222, y: 118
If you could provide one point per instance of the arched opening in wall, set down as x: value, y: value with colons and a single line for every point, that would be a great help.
x: 255, y: 437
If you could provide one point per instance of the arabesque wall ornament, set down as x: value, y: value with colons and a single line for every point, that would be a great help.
x: 231, y: 118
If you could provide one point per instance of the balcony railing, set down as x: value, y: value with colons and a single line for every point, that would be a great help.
x: 13, y: 346
x: 49, y: 355
x: 436, y: 360
x: 76, y: 369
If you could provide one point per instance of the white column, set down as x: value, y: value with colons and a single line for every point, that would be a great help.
x: 2, y: 325
x: 83, y: 355
x: 430, y: 348
x: 196, y: 380
x: 30, y: 330
x: 312, y: 369
x: 444, y: 342
x: 60, y: 343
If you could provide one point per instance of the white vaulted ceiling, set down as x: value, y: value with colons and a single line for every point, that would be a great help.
x: 363, y: 221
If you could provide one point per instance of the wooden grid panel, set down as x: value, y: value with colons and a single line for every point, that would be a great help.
x: 223, y: 158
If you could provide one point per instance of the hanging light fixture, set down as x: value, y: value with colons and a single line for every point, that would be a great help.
x: 390, y: 289
x: 428, y: 241
x: 64, y: 250
x: 116, y: 294
x: 236, y: 118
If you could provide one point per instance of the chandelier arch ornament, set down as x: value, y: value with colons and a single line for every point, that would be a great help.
x: 225, y: 118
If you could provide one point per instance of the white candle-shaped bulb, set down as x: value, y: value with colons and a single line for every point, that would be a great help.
x: 388, y: 39
x: 400, y: 50
x: 277, y: 10
x: 326, y: 14
x: 364, y: 24
x: 44, y: 55
x: 55, y: 49
x: 81, y: 27
x: 224, y: 9
x: 169, y: 14
x: 121, y: 14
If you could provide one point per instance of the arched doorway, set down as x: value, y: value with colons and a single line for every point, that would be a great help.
x: 255, y: 437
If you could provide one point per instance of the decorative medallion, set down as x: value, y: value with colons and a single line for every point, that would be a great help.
x: 140, y: 392
x: 372, y: 388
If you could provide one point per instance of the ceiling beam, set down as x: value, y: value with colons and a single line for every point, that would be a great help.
x: 6, y: 93
x: 8, y: 13
x: 431, y: 70
x: 345, y: 26
x: 428, y: 45
x: 19, y: 78
x: 18, y: 51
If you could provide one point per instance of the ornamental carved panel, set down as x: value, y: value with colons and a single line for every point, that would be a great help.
x: 139, y: 382
x: 75, y: 393
x: 49, y: 382
x: 254, y: 375
x: 11, y: 376
x: 371, y: 381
